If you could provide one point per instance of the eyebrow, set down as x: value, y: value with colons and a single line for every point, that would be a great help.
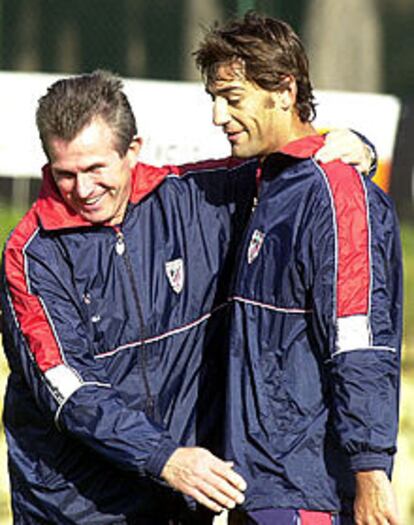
x: 91, y: 167
x: 223, y: 90
x: 61, y: 172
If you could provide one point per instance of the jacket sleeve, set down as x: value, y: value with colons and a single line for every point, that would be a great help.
x: 48, y: 344
x: 357, y: 304
x: 374, y: 155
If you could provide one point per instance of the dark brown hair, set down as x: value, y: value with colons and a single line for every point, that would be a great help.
x: 72, y: 103
x: 270, y: 51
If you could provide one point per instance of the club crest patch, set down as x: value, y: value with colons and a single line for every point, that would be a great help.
x: 255, y: 245
x: 175, y: 273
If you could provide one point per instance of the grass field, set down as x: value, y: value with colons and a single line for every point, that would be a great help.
x: 407, y: 238
x: 404, y: 471
x: 8, y: 219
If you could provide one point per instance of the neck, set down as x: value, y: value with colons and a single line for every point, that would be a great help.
x: 295, y: 131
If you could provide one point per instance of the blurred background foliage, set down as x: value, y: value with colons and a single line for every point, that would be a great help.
x: 357, y: 45
x: 154, y: 39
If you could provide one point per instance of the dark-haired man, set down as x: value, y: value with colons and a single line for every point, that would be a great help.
x: 314, y: 346
x: 112, y: 289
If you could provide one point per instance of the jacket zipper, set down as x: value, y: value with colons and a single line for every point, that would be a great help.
x: 121, y: 250
x: 243, y: 240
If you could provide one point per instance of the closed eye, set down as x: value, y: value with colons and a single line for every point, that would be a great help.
x: 94, y: 168
x: 62, y: 174
x: 234, y: 101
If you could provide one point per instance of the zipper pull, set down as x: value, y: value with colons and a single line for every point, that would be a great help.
x: 149, y: 407
x: 254, y: 204
x: 120, y: 243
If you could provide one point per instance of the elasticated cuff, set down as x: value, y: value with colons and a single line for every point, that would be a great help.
x: 159, y: 458
x: 370, y: 461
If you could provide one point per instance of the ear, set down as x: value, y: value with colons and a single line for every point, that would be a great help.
x: 134, y: 150
x: 287, y: 95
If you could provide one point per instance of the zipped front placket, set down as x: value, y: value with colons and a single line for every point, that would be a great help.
x: 122, y: 251
x: 241, y: 246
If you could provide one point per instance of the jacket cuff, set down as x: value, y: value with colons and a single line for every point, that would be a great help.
x: 373, y: 152
x: 370, y: 461
x: 159, y: 458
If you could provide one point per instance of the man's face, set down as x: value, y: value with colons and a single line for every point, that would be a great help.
x: 93, y: 179
x: 256, y: 121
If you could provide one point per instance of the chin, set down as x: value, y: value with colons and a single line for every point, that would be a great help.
x: 94, y: 218
x: 241, y: 154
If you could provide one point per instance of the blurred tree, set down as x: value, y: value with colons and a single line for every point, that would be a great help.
x: 293, y: 12
x: 344, y: 42
x: 398, y: 16
x: 136, y: 54
x: 20, y: 35
x: 163, y: 29
x: 60, y: 42
x: 198, y: 15
x: 362, y: 45
x: 102, y: 34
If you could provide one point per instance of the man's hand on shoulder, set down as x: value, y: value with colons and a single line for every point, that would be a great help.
x: 347, y: 146
x: 209, y: 480
x: 374, y: 501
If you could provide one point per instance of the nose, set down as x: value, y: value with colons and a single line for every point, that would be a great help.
x: 221, y: 115
x: 84, y: 184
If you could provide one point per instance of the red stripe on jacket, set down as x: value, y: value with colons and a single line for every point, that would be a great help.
x: 353, y: 272
x: 29, y: 311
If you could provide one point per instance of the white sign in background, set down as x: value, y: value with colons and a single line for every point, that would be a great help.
x: 175, y: 121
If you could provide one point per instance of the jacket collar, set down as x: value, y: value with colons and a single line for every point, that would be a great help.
x: 55, y: 214
x: 303, y: 148
x: 297, y: 149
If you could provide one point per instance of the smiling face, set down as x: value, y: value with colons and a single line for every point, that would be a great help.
x: 92, y: 177
x: 257, y: 122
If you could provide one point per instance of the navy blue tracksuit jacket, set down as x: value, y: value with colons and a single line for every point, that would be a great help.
x: 314, y: 351
x: 112, y: 339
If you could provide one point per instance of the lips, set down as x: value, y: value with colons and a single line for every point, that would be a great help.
x: 92, y: 202
x: 233, y: 136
